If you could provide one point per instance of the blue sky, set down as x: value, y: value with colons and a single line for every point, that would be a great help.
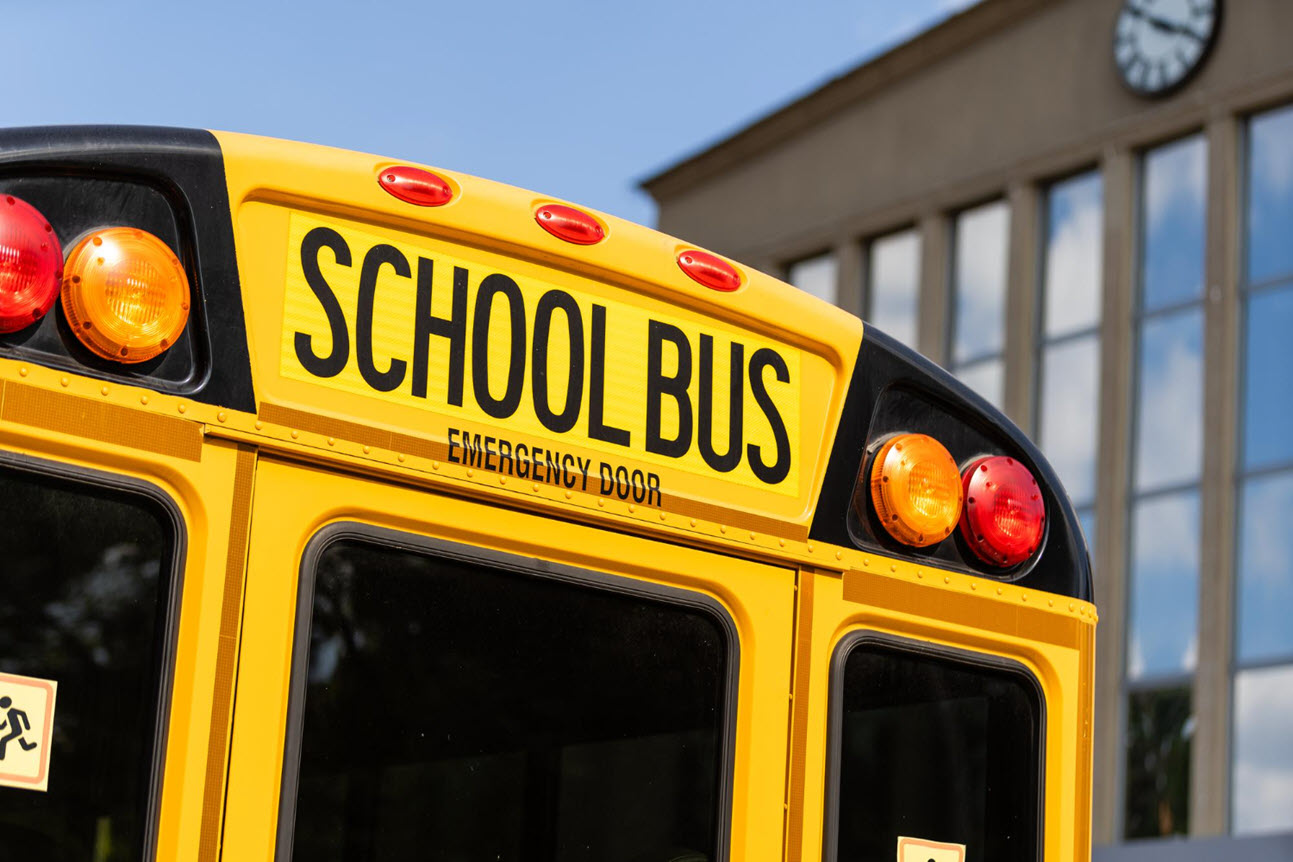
x: 576, y: 99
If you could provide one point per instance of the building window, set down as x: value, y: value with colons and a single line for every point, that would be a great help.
x: 1166, y: 465
x: 978, y: 328
x: 817, y: 276
x: 893, y: 285
x: 1262, y: 780
x: 1069, y: 338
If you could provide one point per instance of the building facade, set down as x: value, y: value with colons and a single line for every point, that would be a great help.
x: 1084, y: 210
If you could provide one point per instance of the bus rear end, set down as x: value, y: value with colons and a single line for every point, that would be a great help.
x: 356, y: 509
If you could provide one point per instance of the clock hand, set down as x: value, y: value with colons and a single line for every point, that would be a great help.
x: 1160, y: 23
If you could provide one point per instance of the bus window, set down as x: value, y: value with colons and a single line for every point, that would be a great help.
x: 87, y: 577
x: 934, y: 743
x: 455, y: 708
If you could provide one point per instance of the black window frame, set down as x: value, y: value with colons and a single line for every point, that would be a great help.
x: 927, y: 649
x: 398, y: 540
x: 172, y: 519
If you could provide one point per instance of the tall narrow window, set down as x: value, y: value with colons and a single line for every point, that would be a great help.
x: 979, y: 299
x: 1167, y: 458
x: 1262, y: 782
x: 817, y: 276
x: 1069, y: 340
x: 893, y: 285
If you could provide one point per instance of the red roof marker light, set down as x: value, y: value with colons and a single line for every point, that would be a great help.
x: 569, y: 224
x: 31, y: 265
x: 416, y: 186
x: 709, y: 270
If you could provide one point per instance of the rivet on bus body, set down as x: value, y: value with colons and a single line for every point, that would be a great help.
x: 470, y: 472
x: 1024, y: 597
x: 866, y: 561
x: 810, y: 547
x: 103, y: 390
x: 752, y: 537
x: 569, y: 495
x: 535, y: 487
x: 839, y: 555
x: 722, y: 528
x: 65, y: 381
x: 222, y: 416
x: 973, y: 585
x: 693, y: 522
x: 367, y: 449
x: 22, y: 372
x: 662, y: 516
x: 632, y: 508
x: 919, y: 573
x: 295, y: 434
x: 183, y: 408
x: 601, y: 502
x: 998, y: 590
x: 143, y: 399
x: 332, y: 441
x: 502, y: 480
x: 400, y: 457
x: 947, y: 580
x: 259, y: 425
x: 1071, y: 606
x: 894, y: 568
x: 435, y: 465
x: 781, y: 542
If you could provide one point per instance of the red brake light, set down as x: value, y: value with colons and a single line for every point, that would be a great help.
x: 416, y: 186
x: 709, y: 270
x: 31, y: 265
x: 569, y: 224
x: 1004, y: 512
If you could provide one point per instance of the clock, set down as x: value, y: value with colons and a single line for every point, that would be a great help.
x: 1159, y: 44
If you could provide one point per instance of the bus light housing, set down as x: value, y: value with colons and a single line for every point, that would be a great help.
x: 709, y: 270
x: 1005, y: 515
x: 31, y: 265
x: 569, y: 224
x: 916, y: 489
x: 125, y: 294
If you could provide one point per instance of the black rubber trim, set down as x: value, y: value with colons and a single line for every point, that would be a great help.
x: 888, y: 374
x: 129, y: 486
x: 498, y: 560
x: 187, y: 167
x: 835, y: 718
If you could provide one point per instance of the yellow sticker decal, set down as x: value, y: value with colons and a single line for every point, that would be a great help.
x: 26, y: 730
x: 920, y: 850
x: 546, y: 356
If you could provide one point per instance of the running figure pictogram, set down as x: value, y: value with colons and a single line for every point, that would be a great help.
x: 16, y: 720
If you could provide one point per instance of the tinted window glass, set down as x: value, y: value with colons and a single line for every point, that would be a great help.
x: 87, y: 585
x: 1270, y: 195
x: 816, y: 276
x: 1263, y: 751
x: 1174, y: 214
x: 1268, y: 395
x: 1074, y: 255
x: 458, y: 711
x: 1164, y: 589
x: 937, y: 748
x: 979, y: 281
x: 893, y: 285
x: 1160, y: 728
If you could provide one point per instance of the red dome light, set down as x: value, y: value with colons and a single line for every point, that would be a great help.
x: 31, y: 265
x: 416, y: 186
x: 569, y: 224
x: 709, y: 270
x: 1004, y: 514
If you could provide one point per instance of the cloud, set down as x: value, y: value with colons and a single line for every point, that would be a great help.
x: 1263, y: 750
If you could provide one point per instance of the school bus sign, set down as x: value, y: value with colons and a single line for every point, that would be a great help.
x: 559, y: 370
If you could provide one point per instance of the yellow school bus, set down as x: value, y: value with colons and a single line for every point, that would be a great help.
x: 362, y: 510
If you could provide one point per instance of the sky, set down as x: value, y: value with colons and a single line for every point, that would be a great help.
x: 577, y: 100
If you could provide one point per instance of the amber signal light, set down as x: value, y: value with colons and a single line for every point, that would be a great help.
x: 916, y: 489
x: 125, y: 294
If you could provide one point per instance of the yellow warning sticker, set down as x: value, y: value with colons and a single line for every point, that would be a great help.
x: 548, y: 356
x: 26, y: 730
x: 920, y: 850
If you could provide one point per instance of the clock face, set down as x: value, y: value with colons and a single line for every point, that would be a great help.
x: 1157, y: 44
